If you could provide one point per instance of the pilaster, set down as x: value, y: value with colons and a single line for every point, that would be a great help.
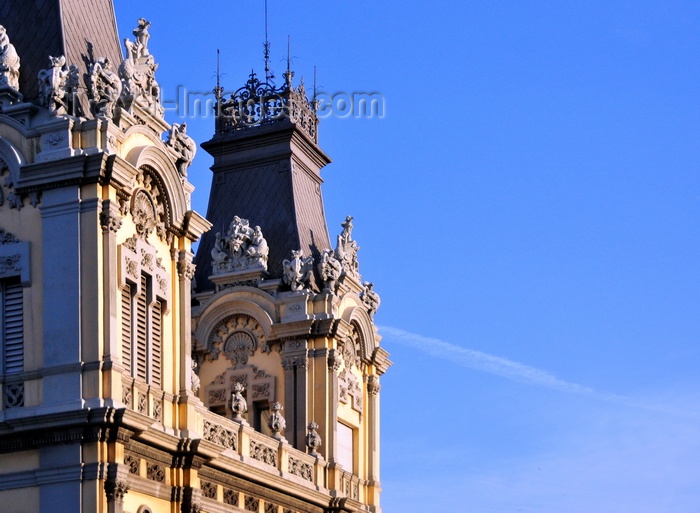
x: 60, y: 213
x: 295, y: 362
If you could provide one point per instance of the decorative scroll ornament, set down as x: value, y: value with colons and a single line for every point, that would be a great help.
x: 238, y: 402
x: 58, y: 86
x: 370, y: 298
x: 346, y: 250
x: 238, y: 337
x: 143, y: 212
x: 297, y: 272
x: 105, y: 87
x: 313, y: 439
x: 239, y: 346
x: 183, y: 145
x: 330, y: 269
x: 241, y: 248
x: 276, y: 423
x: 9, y: 62
x: 258, y: 103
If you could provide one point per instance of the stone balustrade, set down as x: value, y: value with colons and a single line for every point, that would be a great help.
x: 266, y: 453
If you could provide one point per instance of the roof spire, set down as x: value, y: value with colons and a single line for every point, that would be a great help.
x: 289, y: 73
x: 218, y: 89
x: 268, y: 74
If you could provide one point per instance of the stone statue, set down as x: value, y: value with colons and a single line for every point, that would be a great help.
x: 138, y: 75
x: 142, y: 37
x: 330, y: 269
x: 276, y: 423
x: 105, y: 87
x: 297, y: 271
x: 346, y: 250
x: 258, y: 248
x: 370, y: 298
x: 71, y: 88
x: 53, y: 86
x: 313, y: 439
x: 346, y: 235
x: 9, y: 62
x: 195, y: 376
x: 242, y: 248
x: 218, y: 253
x: 238, y: 402
x: 183, y: 144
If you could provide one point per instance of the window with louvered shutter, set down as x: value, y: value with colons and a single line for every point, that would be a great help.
x: 13, y: 327
x: 156, y: 342
x: 127, y: 327
x: 141, y: 338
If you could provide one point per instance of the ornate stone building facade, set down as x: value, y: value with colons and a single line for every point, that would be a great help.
x: 135, y: 376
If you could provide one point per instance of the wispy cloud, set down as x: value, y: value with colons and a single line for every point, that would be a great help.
x: 484, y: 362
x: 512, y: 370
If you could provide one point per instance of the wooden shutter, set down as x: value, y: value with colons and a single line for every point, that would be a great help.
x: 156, y: 342
x: 127, y: 327
x: 142, y: 330
x: 13, y: 328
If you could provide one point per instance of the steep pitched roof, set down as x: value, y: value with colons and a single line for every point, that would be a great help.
x: 82, y: 30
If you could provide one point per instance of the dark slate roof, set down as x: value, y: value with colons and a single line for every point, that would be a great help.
x: 286, y: 203
x: 82, y: 30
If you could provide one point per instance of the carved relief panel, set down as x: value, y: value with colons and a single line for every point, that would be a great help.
x: 350, y: 373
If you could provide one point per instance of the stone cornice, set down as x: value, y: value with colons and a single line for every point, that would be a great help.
x: 292, y: 330
x: 194, y: 225
x: 381, y: 361
x: 76, y: 170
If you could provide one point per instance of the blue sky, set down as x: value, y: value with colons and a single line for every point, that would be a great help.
x: 528, y: 210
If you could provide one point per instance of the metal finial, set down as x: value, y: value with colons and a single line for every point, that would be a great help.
x: 218, y: 89
x: 289, y: 73
x: 266, y: 45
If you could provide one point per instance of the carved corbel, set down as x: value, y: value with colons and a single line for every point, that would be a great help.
x: 334, y: 360
x: 116, y: 489
x: 110, y: 217
x: 186, y: 270
x: 373, y: 386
